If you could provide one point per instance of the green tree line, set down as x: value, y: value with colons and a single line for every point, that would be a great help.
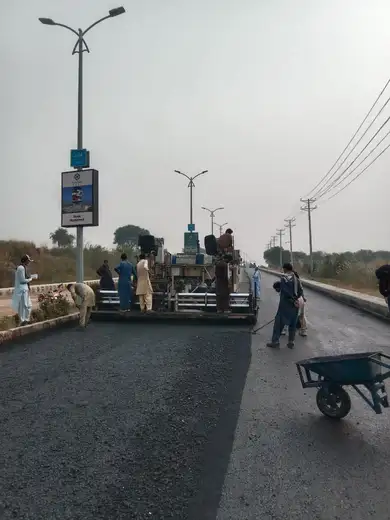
x: 347, y: 264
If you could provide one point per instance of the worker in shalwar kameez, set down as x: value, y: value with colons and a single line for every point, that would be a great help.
x: 83, y: 293
x: 256, y: 283
x: 222, y: 289
x: 126, y: 274
x: 21, y: 301
x: 144, y: 287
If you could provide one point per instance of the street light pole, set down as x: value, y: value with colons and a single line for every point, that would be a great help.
x: 212, y: 215
x: 191, y: 185
x: 220, y: 227
x: 80, y: 47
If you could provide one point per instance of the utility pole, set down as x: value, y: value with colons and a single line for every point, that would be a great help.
x: 308, y: 206
x: 80, y: 47
x: 273, y: 241
x: 221, y: 227
x: 280, y: 233
x: 290, y: 224
x: 191, y: 185
x: 212, y: 215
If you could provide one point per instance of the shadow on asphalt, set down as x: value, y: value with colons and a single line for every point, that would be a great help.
x: 336, y: 440
x: 182, y: 452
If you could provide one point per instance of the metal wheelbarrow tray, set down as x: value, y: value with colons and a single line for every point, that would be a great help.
x: 331, y: 373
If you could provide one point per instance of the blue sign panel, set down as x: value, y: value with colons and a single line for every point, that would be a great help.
x: 79, y: 158
x: 191, y: 227
x: 80, y: 198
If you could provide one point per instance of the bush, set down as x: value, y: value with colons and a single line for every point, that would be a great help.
x: 51, y: 306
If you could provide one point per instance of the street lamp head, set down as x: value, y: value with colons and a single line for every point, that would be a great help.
x: 47, y: 21
x: 117, y: 11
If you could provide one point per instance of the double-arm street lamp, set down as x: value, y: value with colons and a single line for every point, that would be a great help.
x: 191, y: 185
x: 80, y: 47
x: 212, y: 215
x: 220, y: 227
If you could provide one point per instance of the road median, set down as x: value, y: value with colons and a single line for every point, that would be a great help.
x: 18, y: 332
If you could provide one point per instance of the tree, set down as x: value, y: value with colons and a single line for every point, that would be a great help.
x: 62, y: 237
x: 127, y: 236
x: 272, y: 256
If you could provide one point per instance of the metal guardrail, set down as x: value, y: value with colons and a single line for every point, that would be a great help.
x: 108, y: 298
x: 209, y: 300
x: 181, y: 302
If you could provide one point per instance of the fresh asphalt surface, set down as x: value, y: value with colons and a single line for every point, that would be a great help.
x: 128, y: 421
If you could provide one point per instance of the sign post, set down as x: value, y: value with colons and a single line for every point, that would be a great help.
x: 79, y: 159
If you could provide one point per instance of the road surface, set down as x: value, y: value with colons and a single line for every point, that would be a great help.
x: 188, y: 422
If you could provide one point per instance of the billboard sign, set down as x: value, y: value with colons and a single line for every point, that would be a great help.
x: 80, y: 198
x: 191, y: 243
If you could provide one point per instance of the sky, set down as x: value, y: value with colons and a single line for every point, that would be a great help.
x: 262, y: 94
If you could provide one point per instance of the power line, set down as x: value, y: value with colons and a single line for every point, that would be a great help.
x: 359, y: 174
x: 361, y: 162
x: 332, y: 184
x: 352, y: 138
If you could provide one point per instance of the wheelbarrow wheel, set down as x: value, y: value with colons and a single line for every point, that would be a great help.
x: 334, y: 402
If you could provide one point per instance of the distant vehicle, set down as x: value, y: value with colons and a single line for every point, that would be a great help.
x: 77, y: 195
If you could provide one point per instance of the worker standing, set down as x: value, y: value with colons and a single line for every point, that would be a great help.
x: 144, y: 287
x: 383, y: 276
x: 290, y: 290
x: 256, y: 283
x: 21, y: 301
x: 106, y: 281
x: 125, y: 271
x: 222, y: 286
x: 87, y: 296
x: 225, y: 242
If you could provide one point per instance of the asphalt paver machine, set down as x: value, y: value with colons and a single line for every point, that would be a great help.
x: 184, y: 288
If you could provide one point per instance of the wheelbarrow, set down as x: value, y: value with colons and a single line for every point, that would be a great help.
x: 330, y: 374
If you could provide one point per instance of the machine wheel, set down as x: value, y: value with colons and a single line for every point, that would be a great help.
x: 334, y: 402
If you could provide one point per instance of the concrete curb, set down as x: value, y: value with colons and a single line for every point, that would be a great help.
x: 12, y: 334
x: 364, y: 302
x: 8, y: 291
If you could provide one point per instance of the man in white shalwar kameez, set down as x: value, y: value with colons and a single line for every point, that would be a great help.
x: 21, y: 301
x: 144, y: 287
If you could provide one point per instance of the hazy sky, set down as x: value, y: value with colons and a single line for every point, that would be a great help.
x: 263, y: 93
